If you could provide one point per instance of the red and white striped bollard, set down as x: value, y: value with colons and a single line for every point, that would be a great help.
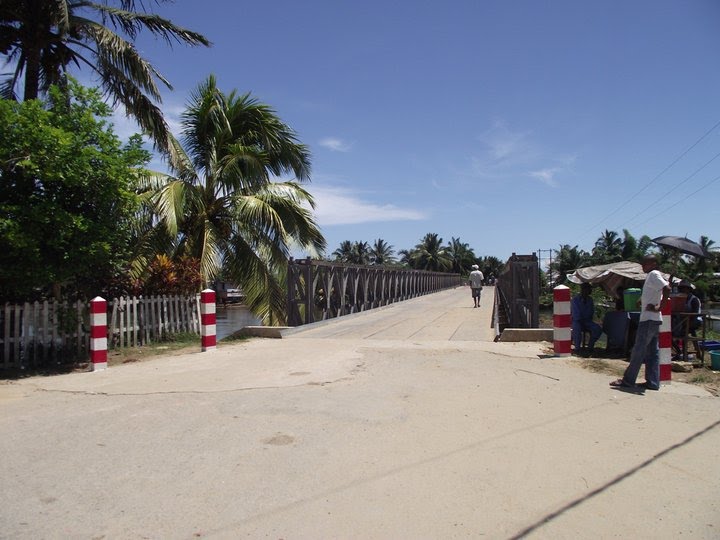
x: 98, y: 333
x: 562, y: 320
x: 665, y: 344
x: 208, y: 329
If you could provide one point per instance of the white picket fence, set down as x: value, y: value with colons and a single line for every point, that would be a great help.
x: 40, y: 333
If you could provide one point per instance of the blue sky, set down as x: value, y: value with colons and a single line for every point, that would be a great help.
x: 512, y: 125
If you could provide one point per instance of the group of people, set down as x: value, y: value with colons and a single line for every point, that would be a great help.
x: 655, y: 293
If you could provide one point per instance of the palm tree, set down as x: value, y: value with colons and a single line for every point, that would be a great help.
x: 491, y: 266
x: 222, y: 205
x: 381, y: 253
x: 430, y: 254
x: 461, y: 255
x: 567, y: 260
x: 704, y: 265
x: 608, y: 248
x: 344, y: 252
x: 44, y: 38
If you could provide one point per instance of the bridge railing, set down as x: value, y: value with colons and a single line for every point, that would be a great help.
x: 320, y: 290
x: 517, y: 293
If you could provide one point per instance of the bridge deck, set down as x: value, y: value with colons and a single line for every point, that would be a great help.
x: 444, y: 316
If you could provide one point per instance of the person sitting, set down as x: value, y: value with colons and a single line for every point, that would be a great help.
x: 687, y: 323
x: 582, y: 308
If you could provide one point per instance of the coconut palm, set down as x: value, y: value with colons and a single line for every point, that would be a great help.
x: 608, y: 248
x: 222, y: 203
x: 344, y: 252
x: 567, y: 260
x: 381, y: 253
x: 42, y: 39
x: 461, y: 255
x: 430, y: 254
x: 491, y: 266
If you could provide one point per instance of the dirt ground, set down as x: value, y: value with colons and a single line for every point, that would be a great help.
x: 700, y: 375
x: 614, y: 367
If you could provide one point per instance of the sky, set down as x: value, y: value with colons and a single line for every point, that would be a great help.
x: 512, y: 125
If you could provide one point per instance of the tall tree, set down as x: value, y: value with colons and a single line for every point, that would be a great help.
x: 430, y: 254
x: 491, y: 266
x: 567, y: 259
x: 223, y: 204
x: 43, y: 39
x: 381, y: 253
x: 344, y: 252
x: 67, y: 195
x: 461, y: 255
x: 608, y: 248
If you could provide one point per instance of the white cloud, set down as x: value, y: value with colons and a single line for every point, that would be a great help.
x: 340, y: 206
x: 546, y: 176
x: 334, y: 144
x: 508, y: 154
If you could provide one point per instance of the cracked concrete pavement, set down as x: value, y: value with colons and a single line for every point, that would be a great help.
x: 402, y: 422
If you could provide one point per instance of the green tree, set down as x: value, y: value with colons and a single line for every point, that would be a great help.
x: 66, y: 195
x: 608, y: 248
x: 461, y: 256
x: 381, y: 253
x: 567, y: 260
x: 44, y: 38
x: 344, y: 253
x: 430, y: 254
x: 223, y: 204
x: 491, y: 266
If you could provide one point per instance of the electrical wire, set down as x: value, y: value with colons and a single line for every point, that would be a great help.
x: 651, y: 182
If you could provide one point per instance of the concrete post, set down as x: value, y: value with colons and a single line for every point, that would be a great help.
x: 562, y: 320
x: 665, y: 344
x: 207, y: 320
x: 98, y: 333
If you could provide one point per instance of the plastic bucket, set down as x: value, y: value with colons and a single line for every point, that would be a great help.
x: 715, y: 360
x: 630, y: 299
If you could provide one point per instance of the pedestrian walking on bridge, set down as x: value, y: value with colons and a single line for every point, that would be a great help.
x: 476, y: 284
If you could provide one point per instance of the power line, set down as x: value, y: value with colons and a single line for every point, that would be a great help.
x: 674, y: 188
x: 711, y: 182
x: 651, y: 182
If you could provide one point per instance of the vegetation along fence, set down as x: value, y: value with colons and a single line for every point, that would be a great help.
x: 319, y: 290
x: 41, y: 333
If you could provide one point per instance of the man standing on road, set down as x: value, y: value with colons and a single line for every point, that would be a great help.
x: 476, y: 283
x: 655, y: 292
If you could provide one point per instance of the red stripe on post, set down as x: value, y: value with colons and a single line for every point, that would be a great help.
x: 562, y: 321
x: 98, y: 331
x: 99, y: 357
x: 208, y: 318
x: 561, y: 294
x: 208, y: 341
x: 561, y: 347
x: 665, y: 340
x: 665, y: 372
x: 98, y: 305
x: 207, y: 296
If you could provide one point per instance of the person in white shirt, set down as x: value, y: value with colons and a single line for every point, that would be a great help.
x: 476, y: 283
x: 655, y: 292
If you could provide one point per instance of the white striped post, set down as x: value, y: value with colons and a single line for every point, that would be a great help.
x: 207, y: 320
x: 665, y: 344
x: 562, y: 320
x: 98, y: 333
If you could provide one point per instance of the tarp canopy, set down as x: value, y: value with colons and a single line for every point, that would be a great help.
x: 624, y: 274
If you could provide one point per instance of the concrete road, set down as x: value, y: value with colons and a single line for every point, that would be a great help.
x: 404, y: 422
